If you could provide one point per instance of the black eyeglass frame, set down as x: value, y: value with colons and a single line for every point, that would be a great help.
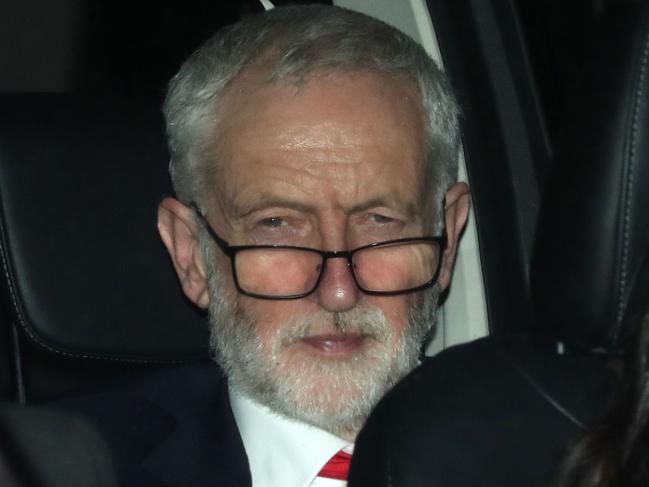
x: 232, y: 250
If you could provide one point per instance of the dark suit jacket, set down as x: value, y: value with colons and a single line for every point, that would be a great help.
x: 39, y: 447
x: 492, y: 413
x: 171, y: 428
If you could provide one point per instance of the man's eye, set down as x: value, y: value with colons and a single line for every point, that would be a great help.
x: 380, y: 219
x: 273, y: 222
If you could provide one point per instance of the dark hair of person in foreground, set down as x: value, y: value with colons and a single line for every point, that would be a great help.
x: 615, y: 452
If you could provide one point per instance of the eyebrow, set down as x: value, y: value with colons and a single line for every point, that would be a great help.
x: 386, y: 202
x: 264, y: 200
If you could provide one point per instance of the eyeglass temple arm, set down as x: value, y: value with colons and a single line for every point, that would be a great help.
x: 225, y: 246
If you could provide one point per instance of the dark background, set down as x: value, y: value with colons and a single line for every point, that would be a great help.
x: 131, y: 49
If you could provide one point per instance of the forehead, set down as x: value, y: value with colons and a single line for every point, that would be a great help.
x: 354, y: 98
x: 350, y: 130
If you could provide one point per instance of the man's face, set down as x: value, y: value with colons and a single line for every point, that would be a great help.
x: 333, y: 165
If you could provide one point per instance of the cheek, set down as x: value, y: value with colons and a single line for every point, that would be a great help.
x: 396, y: 310
x: 270, y: 316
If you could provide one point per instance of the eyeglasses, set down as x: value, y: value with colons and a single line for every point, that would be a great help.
x: 286, y: 272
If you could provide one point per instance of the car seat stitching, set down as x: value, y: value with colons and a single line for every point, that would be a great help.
x: 14, y: 298
x: 629, y: 184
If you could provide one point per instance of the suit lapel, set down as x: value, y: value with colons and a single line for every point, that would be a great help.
x: 204, y: 448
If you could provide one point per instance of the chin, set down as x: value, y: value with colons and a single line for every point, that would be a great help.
x: 334, y: 393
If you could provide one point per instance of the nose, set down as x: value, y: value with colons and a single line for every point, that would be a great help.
x: 337, y: 290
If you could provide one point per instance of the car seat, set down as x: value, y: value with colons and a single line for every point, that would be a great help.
x: 594, y: 225
x: 88, y: 291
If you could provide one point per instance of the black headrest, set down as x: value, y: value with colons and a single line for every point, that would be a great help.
x: 594, y: 223
x: 84, y: 272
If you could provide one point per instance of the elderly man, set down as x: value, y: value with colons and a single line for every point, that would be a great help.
x: 314, y: 157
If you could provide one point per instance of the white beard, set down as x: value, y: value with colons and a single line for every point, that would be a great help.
x: 333, y: 394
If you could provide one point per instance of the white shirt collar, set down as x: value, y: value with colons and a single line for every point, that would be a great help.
x: 281, y: 452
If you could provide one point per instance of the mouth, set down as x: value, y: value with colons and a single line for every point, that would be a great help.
x: 335, y: 344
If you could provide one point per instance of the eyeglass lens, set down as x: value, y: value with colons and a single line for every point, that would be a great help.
x: 276, y: 272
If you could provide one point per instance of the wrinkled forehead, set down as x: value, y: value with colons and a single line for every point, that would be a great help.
x: 358, y: 133
x: 328, y: 108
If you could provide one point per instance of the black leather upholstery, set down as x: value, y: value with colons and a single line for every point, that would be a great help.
x: 594, y: 224
x: 84, y: 272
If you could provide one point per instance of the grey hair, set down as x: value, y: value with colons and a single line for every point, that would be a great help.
x: 294, y: 43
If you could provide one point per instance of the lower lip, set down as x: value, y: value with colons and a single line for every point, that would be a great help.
x: 335, y: 344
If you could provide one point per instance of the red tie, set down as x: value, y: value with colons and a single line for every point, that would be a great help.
x: 337, y: 467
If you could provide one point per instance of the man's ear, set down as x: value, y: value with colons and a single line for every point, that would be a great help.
x: 176, y: 227
x: 456, y: 213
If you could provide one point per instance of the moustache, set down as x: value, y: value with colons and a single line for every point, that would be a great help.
x: 365, y: 321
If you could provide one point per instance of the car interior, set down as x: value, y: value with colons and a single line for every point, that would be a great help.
x: 556, y: 164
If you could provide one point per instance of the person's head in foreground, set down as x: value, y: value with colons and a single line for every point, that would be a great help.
x: 615, y: 451
x: 314, y: 157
